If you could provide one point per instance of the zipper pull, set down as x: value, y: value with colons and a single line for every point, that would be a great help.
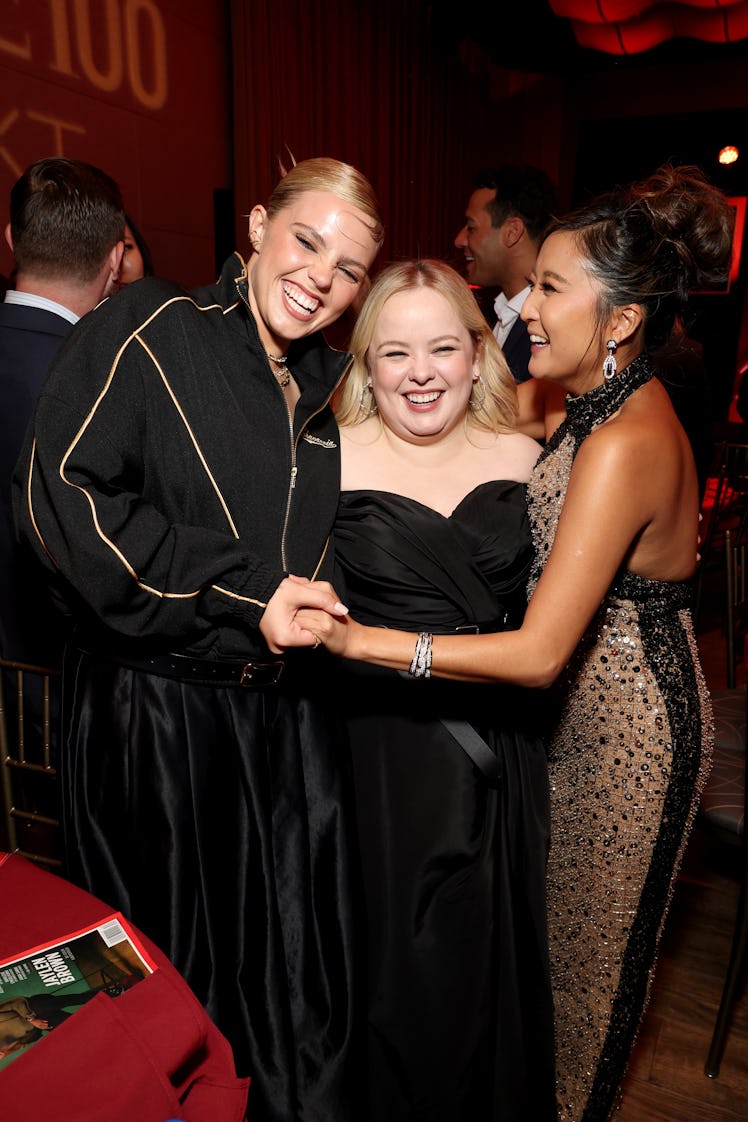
x: 294, y: 471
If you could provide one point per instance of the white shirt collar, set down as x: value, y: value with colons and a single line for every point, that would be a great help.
x: 514, y: 306
x: 30, y: 300
x: 507, y: 313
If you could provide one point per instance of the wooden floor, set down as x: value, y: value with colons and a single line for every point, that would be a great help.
x: 666, y: 1081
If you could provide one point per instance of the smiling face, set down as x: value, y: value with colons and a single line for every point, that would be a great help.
x: 422, y: 365
x: 311, y: 259
x: 561, y: 313
x: 482, y: 243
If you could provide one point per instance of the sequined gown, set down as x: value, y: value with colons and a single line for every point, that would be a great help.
x: 628, y: 759
x: 458, y: 1006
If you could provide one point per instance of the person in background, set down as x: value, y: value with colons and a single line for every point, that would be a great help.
x: 507, y: 213
x: 136, y: 261
x: 451, y: 782
x: 614, y: 507
x: 66, y: 233
x: 505, y: 218
x: 182, y: 461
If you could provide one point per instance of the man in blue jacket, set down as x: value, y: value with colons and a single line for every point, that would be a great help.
x: 66, y: 233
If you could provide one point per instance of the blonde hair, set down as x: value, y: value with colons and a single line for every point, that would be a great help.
x: 325, y: 174
x: 497, y: 410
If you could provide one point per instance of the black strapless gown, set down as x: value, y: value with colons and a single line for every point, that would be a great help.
x: 453, y: 870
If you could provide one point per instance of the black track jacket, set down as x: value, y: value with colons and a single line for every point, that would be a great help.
x: 162, y: 485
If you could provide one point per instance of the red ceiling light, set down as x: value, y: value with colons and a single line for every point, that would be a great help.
x: 729, y: 154
x: 625, y: 27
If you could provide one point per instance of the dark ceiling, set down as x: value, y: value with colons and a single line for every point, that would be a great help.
x: 526, y: 35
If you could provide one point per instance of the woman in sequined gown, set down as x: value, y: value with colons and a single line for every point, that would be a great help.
x: 613, y: 504
x: 432, y: 531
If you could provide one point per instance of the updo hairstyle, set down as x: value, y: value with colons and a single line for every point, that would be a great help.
x: 496, y: 410
x: 654, y: 242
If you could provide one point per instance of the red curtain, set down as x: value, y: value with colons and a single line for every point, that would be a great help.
x: 630, y: 26
x: 370, y: 82
x: 612, y: 11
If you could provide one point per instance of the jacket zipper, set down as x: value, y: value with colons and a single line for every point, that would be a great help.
x: 291, y: 484
x: 294, y: 467
x: 293, y: 443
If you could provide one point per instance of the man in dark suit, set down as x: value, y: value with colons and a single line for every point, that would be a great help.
x: 66, y: 234
x: 506, y: 215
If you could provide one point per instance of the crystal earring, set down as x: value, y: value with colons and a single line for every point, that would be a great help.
x: 609, y: 363
x: 475, y: 402
x: 372, y: 406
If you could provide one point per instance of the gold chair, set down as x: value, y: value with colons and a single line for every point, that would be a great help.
x: 28, y: 775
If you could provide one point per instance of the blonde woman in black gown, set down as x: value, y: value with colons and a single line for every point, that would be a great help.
x: 451, y: 782
x: 614, y: 504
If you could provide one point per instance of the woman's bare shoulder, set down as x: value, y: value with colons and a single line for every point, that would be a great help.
x: 640, y: 439
x: 517, y: 454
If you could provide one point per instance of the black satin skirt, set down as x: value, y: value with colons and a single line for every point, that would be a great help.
x: 212, y: 818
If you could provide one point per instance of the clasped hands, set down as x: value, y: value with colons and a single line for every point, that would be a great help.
x: 304, y: 613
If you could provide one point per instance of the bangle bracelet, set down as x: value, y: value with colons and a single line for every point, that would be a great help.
x: 420, y: 667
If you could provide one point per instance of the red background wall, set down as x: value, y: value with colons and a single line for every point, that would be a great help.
x: 140, y: 88
x: 180, y: 99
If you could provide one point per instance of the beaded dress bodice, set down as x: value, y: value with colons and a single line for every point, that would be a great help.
x: 547, y: 488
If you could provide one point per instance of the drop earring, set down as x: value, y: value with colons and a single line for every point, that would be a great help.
x: 609, y: 362
x: 368, y: 409
x: 475, y: 401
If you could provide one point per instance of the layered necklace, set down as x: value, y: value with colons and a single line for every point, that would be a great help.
x: 279, y: 368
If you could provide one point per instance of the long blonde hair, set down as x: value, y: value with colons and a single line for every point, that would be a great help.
x: 496, y: 409
x: 326, y: 174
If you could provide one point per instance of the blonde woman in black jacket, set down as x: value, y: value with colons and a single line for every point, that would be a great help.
x: 182, y: 461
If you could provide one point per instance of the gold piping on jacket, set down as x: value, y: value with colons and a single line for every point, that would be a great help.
x: 236, y: 596
x: 191, y: 435
x: 321, y: 559
x: 161, y: 594
x: 30, y: 507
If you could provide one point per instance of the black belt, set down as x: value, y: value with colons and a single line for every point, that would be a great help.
x: 201, y: 671
x: 484, y: 628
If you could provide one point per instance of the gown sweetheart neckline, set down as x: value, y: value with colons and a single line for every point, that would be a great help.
x: 506, y: 483
x: 624, y: 576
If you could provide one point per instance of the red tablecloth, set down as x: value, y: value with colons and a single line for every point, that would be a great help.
x: 149, y: 1055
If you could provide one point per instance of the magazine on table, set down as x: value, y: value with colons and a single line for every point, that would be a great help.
x: 45, y: 985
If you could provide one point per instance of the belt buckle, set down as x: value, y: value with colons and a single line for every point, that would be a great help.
x: 250, y: 668
x: 468, y: 628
